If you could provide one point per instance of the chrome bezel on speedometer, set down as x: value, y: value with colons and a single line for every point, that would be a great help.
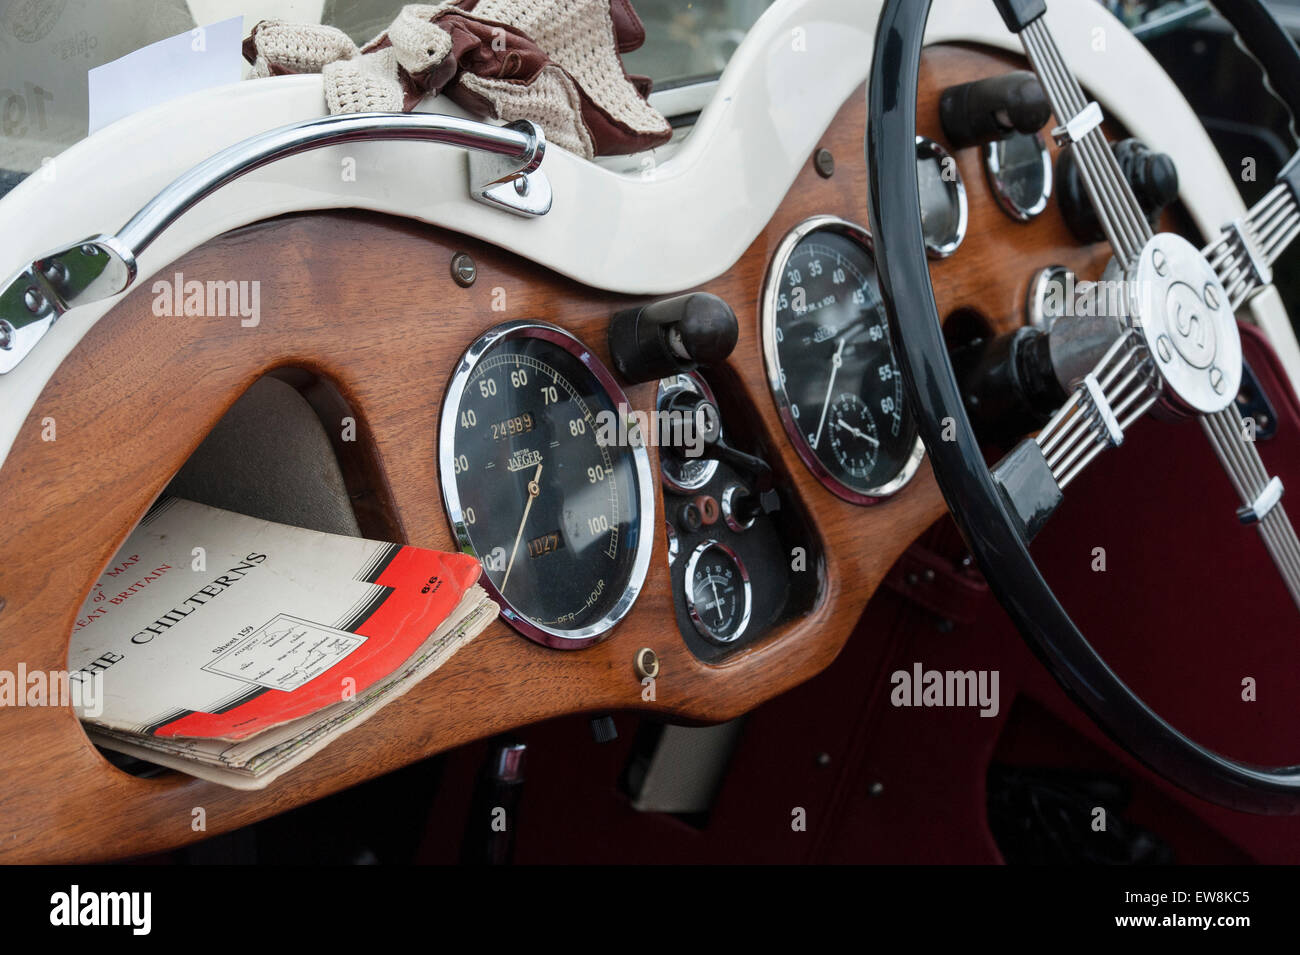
x: 645, y: 497
x: 771, y: 291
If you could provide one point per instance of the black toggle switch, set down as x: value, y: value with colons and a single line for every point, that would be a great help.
x: 1152, y: 175
x: 989, y: 109
x: 672, y: 336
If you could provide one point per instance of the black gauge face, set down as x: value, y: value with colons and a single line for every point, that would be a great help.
x: 541, y: 486
x: 717, y: 592
x: 943, y: 198
x: 832, y: 368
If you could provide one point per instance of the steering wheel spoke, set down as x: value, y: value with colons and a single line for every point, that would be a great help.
x: 1102, y: 408
x: 1244, y: 253
x: 1104, y: 405
x: 1112, y: 197
x: 1260, y: 494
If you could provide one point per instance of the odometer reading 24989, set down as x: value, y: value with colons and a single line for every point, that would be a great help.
x: 830, y: 363
x: 553, y: 510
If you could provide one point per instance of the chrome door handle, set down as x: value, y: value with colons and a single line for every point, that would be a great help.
x: 504, y: 172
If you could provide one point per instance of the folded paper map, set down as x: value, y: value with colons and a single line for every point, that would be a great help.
x: 233, y: 648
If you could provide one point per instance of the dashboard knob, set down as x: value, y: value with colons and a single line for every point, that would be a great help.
x: 1152, y: 175
x: 989, y: 109
x: 603, y: 729
x: 746, y: 507
x: 672, y: 336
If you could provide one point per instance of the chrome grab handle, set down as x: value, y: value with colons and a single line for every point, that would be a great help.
x: 504, y: 172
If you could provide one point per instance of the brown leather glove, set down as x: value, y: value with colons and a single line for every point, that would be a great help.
x: 555, y: 62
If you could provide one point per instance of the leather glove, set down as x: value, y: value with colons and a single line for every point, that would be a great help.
x: 555, y: 62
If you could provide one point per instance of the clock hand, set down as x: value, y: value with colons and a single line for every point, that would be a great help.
x: 534, y: 488
x: 841, y: 423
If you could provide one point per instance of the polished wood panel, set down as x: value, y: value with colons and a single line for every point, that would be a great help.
x: 361, y: 312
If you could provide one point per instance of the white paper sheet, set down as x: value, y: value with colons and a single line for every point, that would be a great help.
x: 195, y: 60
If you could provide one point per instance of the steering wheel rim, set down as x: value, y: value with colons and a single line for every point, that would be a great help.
x: 977, y: 506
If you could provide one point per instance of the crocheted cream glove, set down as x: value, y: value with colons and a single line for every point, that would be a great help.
x: 555, y: 62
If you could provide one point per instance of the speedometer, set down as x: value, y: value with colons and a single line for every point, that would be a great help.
x: 830, y: 363
x: 543, y: 485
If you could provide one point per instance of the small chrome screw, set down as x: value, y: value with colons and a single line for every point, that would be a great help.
x: 55, y: 271
x: 34, y: 300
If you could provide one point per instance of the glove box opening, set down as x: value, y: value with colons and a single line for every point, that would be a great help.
x: 289, y: 450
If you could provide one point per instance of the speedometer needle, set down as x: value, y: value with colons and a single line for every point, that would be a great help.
x: 836, y: 361
x: 534, y: 488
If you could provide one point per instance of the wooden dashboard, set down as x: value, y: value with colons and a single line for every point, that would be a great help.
x: 361, y: 313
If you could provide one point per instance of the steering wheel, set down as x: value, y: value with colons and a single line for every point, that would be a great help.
x: 1178, y: 346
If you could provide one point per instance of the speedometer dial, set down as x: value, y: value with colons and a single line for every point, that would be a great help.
x: 830, y: 363
x: 543, y: 486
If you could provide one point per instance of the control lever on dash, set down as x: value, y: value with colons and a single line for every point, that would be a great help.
x: 707, y: 419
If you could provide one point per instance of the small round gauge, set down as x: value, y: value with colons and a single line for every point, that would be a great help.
x: 853, y: 436
x: 943, y: 199
x: 538, y: 486
x: 1019, y: 168
x: 718, y: 595
x: 830, y: 363
x: 683, y: 475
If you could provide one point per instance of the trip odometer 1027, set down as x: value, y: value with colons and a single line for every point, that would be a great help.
x: 830, y: 363
x: 557, y: 515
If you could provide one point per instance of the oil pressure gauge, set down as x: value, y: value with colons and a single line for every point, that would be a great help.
x: 718, y: 595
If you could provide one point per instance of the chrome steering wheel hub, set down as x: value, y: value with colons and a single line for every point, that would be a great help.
x: 1179, y: 305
